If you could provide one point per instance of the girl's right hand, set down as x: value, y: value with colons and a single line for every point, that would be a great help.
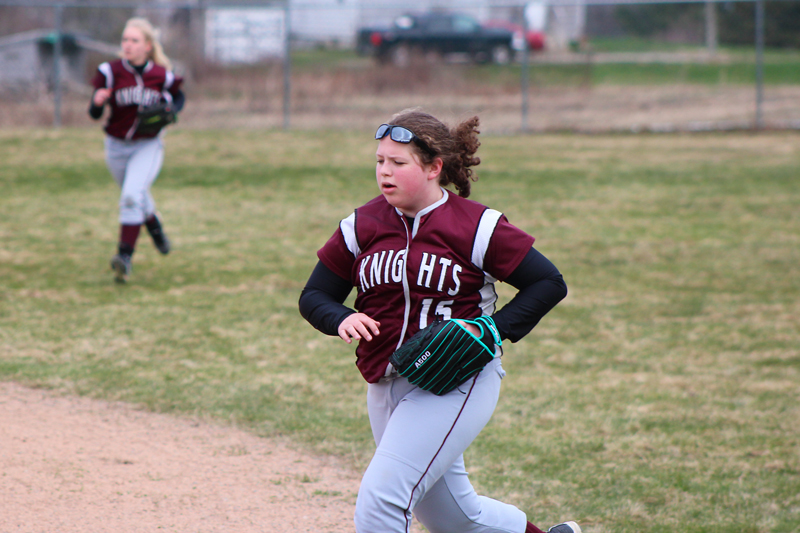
x: 101, y: 96
x: 358, y: 326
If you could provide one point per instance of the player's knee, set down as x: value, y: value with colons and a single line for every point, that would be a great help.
x: 375, y: 513
x: 383, y: 500
x: 129, y: 202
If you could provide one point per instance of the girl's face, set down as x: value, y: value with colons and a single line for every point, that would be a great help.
x: 135, y: 48
x: 404, y: 182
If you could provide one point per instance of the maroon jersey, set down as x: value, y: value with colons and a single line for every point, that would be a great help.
x: 443, y: 266
x: 133, y: 91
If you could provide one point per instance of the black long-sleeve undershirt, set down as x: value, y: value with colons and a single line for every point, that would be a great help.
x: 541, y: 286
x: 95, y: 111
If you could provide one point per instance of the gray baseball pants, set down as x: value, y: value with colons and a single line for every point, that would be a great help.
x: 419, y: 465
x: 135, y: 166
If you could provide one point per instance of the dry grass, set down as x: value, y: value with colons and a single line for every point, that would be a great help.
x: 357, y: 95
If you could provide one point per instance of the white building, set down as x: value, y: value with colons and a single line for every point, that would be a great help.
x: 244, y: 35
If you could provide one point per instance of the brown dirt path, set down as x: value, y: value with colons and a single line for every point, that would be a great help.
x: 79, y: 465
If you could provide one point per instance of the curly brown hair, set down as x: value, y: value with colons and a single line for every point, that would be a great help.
x: 455, y: 146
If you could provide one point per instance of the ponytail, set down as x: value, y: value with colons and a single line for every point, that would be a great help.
x: 466, y: 140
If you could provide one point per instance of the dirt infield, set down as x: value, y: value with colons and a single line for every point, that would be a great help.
x: 79, y: 465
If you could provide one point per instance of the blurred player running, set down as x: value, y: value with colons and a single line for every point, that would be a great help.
x: 141, y: 78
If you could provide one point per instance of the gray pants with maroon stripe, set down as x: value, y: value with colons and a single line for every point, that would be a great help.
x: 418, y: 466
x: 135, y: 166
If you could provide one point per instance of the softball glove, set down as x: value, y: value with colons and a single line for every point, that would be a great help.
x: 155, y: 117
x: 445, y: 354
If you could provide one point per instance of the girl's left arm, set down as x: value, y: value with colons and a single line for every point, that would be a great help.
x: 541, y: 286
x: 175, y: 90
x: 178, y: 99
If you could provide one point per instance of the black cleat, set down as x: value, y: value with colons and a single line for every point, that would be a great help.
x: 121, y: 265
x: 156, y: 231
x: 162, y: 242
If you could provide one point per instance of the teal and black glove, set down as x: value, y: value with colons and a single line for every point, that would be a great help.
x: 445, y: 354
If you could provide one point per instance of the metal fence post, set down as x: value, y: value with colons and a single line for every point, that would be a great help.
x: 57, y: 53
x: 711, y: 26
x: 287, y: 66
x: 524, y: 72
x: 759, y: 63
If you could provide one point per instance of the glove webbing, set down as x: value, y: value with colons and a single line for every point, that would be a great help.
x: 455, y: 343
x: 486, y: 322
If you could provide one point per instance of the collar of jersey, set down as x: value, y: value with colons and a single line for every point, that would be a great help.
x: 130, y: 68
x: 425, y: 211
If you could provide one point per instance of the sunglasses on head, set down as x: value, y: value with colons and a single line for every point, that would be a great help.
x: 401, y: 135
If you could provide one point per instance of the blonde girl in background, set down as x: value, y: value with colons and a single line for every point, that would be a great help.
x: 142, y: 77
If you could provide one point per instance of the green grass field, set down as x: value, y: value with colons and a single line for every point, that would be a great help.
x: 778, y: 71
x: 662, y: 395
x: 734, y: 66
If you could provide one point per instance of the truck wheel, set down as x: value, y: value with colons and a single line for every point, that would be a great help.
x: 400, y: 55
x: 481, y: 56
x: 501, y: 55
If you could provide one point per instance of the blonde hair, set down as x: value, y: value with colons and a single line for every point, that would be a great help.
x: 151, y: 35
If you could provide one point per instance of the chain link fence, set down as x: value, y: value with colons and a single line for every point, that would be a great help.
x: 589, y: 66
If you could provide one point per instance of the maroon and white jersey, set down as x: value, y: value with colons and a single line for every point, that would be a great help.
x: 442, y: 267
x: 133, y: 91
